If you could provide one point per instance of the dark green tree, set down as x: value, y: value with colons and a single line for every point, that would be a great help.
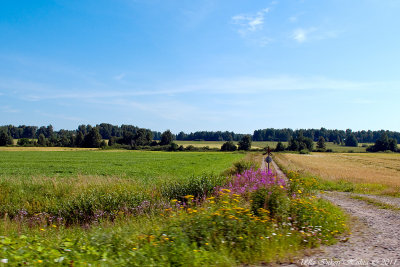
x: 112, y: 141
x: 351, y: 140
x: 5, y: 139
x: 279, y: 147
x: 41, y: 140
x: 384, y: 143
x: 393, y: 145
x: 321, y: 143
x: 228, y: 146
x: 166, y: 138
x: 79, y: 139
x: 245, y: 143
x: 92, y: 138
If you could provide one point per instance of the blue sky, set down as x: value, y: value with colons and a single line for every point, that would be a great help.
x: 201, y: 65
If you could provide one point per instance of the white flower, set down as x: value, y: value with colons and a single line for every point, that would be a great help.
x: 4, y: 260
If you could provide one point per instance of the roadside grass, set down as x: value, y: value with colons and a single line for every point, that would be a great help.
x: 366, y: 173
x: 247, y: 218
x: 376, y: 203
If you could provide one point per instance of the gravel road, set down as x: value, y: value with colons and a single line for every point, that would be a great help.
x: 375, y: 238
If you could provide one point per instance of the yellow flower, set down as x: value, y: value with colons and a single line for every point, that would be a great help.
x: 41, y: 229
x: 281, y: 186
x: 206, y: 244
x: 299, y: 191
x: 210, y: 198
x: 174, y: 200
x: 189, y: 196
x: 39, y: 261
x: 226, y: 190
x: 134, y: 248
x: 54, y: 226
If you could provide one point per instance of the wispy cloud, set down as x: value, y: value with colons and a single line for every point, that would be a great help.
x: 230, y: 85
x: 9, y: 109
x: 302, y: 35
x: 250, y: 22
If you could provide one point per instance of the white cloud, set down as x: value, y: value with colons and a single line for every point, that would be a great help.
x: 250, y: 22
x: 293, y: 19
x: 302, y: 35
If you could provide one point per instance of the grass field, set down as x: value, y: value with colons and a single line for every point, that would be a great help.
x: 370, y: 172
x: 142, y: 165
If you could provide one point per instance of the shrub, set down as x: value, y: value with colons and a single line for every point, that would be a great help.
x: 25, y: 142
x: 279, y: 147
x: 173, y: 147
x: 245, y: 143
x: 228, y: 146
x: 190, y: 148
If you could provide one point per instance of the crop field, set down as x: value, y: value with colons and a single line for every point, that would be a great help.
x: 370, y: 172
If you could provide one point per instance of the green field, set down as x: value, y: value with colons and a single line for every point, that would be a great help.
x: 134, y: 165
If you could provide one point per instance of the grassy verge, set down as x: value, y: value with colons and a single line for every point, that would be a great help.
x: 376, y: 203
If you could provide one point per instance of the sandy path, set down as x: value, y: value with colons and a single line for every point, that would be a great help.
x: 375, y: 239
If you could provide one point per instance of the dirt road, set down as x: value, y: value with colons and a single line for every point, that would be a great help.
x: 375, y: 238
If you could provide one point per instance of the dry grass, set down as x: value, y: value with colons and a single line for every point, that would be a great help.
x: 368, y: 168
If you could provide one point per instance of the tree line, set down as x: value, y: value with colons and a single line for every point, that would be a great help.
x: 133, y: 136
x: 335, y: 136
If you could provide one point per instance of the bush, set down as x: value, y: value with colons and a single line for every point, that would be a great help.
x: 279, y: 147
x: 173, y: 147
x: 190, y: 148
x: 25, y: 142
x: 228, y: 146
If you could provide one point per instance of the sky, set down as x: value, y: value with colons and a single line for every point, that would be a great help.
x: 190, y: 65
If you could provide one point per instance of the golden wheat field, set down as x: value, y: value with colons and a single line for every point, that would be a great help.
x: 371, y: 168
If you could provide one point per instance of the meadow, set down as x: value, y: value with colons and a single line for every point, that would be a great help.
x: 138, y: 208
x: 377, y: 173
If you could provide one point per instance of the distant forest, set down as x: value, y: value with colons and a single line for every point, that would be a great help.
x: 107, y: 131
